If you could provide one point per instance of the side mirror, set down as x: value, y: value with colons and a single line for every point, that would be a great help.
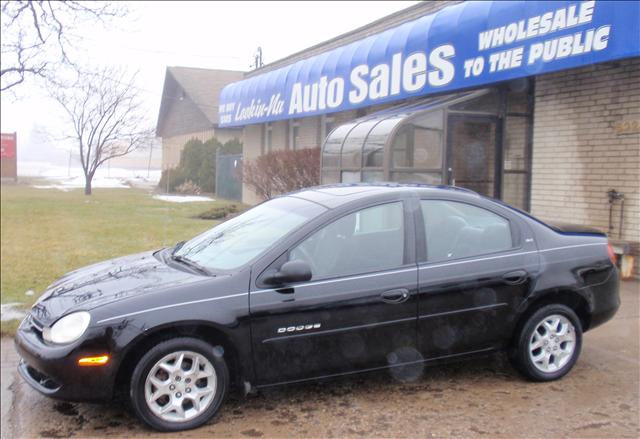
x: 290, y: 272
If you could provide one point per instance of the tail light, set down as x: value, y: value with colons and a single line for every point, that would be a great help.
x: 612, y: 253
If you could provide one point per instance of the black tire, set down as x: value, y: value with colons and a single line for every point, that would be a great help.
x: 520, y: 357
x: 144, y: 366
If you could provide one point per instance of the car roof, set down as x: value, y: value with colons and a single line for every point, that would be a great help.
x: 335, y: 195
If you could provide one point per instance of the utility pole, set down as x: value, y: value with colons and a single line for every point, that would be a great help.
x: 149, y: 165
x: 257, y: 59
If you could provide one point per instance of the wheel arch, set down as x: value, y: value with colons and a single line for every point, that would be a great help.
x: 205, y: 331
x: 570, y: 298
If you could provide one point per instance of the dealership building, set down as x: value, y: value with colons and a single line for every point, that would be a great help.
x: 189, y: 110
x: 533, y: 103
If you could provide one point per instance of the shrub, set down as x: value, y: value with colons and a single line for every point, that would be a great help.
x: 233, y: 146
x: 198, y: 164
x: 278, y: 172
x: 189, y: 187
x: 219, y: 212
x: 171, y: 179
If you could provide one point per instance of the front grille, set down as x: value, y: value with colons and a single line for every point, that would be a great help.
x: 42, y: 379
x: 37, y: 326
x: 33, y: 324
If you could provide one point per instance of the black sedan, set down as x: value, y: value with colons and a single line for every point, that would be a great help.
x: 320, y: 283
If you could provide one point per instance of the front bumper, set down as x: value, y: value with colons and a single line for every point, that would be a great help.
x: 54, y: 372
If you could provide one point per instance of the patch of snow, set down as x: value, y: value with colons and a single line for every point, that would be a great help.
x: 52, y: 186
x: 48, y: 170
x: 9, y: 311
x: 182, y: 198
x: 68, y: 183
x: 65, y: 179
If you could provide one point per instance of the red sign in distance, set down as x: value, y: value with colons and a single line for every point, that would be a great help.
x: 8, y: 145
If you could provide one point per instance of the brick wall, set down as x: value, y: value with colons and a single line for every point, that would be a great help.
x: 579, y: 152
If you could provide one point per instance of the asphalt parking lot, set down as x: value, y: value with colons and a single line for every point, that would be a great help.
x: 482, y: 398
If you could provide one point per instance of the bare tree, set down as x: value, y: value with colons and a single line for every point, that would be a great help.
x: 38, y: 35
x: 107, y: 118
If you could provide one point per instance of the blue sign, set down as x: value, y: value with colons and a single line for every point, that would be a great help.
x: 465, y: 45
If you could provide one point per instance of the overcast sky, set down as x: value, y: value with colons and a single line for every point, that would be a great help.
x: 217, y: 35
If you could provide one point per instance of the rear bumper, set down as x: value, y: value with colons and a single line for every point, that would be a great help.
x: 605, y: 298
x: 53, y: 370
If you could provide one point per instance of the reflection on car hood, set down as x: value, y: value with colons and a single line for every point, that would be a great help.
x: 108, y: 281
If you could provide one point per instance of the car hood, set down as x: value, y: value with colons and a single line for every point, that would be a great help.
x: 108, y: 281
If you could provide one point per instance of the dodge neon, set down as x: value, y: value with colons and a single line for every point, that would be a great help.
x: 320, y: 283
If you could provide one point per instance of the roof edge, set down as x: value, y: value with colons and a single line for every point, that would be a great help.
x: 283, y: 61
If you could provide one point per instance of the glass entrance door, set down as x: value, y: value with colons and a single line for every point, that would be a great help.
x: 472, y: 153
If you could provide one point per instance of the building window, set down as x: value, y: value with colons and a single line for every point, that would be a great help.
x: 267, y: 138
x: 516, y: 144
x: 328, y: 124
x: 294, y: 134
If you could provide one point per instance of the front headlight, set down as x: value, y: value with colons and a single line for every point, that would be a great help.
x: 67, y: 329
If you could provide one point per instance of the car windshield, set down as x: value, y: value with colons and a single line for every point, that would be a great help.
x: 239, y: 240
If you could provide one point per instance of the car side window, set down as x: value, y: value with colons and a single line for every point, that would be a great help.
x: 368, y: 240
x: 455, y: 230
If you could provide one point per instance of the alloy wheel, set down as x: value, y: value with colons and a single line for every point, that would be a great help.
x: 552, y: 343
x: 180, y: 386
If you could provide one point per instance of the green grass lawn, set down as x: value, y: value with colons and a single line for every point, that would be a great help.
x: 47, y: 232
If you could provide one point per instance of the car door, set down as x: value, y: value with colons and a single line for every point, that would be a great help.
x: 357, y: 312
x: 477, y: 267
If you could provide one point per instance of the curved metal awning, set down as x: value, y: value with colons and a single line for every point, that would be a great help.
x: 439, y: 52
x: 360, y: 143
